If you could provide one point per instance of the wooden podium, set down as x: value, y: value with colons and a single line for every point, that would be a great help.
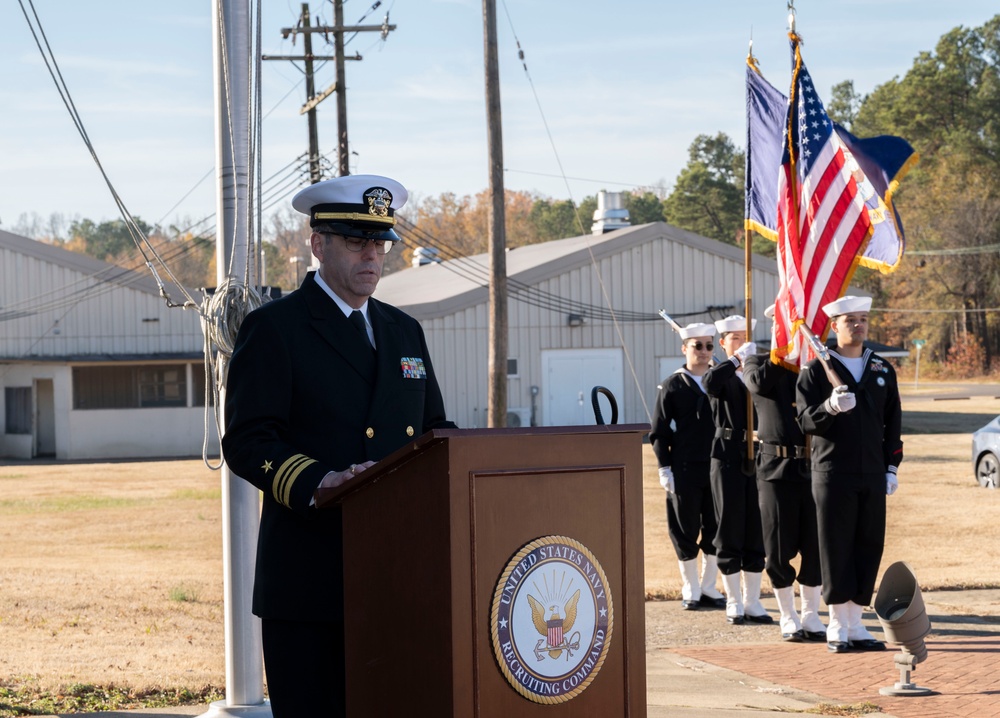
x: 429, y: 530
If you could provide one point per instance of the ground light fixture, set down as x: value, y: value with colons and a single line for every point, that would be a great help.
x: 900, y: 609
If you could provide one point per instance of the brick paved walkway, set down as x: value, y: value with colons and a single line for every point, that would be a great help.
x: 963, y: 672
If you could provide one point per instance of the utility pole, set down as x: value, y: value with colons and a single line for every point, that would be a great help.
x: 314, y: 173
x: 338, y: 46
x: 339, y: 86
x: 496, y: 397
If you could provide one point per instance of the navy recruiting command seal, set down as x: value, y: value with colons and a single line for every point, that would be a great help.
x: 551, y: 619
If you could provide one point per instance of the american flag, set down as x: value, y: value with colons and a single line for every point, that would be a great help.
x: 879, y: 165
x: 823, y: 224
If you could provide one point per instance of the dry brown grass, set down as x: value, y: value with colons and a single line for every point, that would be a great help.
x: 112, y: 572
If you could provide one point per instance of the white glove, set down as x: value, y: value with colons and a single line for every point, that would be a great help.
x: 667, y: 479
x: 744, y: 351
x: 841, y: 400
x: 891, y: 483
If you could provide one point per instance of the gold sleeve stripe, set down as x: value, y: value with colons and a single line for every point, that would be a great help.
x: 286, y: 475
x: 356, y: 217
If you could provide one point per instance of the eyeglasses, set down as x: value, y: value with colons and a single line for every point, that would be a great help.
x: 698, y: 346
x: 355, y: 244
x: 382, y: 246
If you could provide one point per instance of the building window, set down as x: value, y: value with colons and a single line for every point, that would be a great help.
x: 17, y: 414
x: 512, y: 367
x: 163, y: 385
x: 131, y: 387
x: 105, y: 387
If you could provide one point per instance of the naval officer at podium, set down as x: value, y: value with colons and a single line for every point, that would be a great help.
x: 322, y: 383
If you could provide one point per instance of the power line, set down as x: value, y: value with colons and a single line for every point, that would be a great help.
x: 983, y: 249
x: 983, y: 310
x: 634, y: 185
x: 138, y: 236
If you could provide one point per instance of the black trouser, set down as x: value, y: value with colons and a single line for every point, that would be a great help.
x: 304, y: 664
x: 788, y: 520
x: 850, y: 510
x: 690, y: 512
x: 739, y: 541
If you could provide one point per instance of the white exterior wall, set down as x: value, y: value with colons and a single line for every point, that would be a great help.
x: 139, y: 433
x: 19, y: 446
x: 105, y: 433
x: 643, y: 278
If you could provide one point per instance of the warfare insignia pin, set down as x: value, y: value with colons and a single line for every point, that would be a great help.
x: 551, y: 620
x: 413, y: 367
x: 379, y: 201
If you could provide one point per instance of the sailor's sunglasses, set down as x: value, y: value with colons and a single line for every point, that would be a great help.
x: 698, y: 346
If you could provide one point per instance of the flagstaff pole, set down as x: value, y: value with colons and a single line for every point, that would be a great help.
x: 748, y: 296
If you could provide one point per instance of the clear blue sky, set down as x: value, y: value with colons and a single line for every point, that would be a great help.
x: 624, y: 87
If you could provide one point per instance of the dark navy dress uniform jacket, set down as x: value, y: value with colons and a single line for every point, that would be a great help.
x: 306, y: 397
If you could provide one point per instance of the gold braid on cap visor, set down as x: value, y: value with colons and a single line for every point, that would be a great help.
x: 355, y: 217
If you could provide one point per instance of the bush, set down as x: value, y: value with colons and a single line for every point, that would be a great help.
x: 965, y: 358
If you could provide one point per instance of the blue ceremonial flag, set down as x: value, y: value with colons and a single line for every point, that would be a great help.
x: 879, y: 163
x: 766, y: 108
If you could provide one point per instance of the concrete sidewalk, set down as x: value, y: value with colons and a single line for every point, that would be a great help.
x: 721, y: 679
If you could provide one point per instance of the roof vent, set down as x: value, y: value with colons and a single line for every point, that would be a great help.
x: 425, y: 255
x: 610, y: 213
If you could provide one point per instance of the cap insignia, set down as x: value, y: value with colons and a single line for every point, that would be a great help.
x: 379, y: 200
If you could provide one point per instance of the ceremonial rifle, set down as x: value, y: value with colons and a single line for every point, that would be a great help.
x: 824, y: 355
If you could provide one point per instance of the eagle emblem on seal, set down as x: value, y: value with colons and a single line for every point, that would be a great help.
x: 554, y: 639
x: 379, y: 200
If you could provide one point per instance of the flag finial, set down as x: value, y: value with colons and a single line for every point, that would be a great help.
x: 791, y: 16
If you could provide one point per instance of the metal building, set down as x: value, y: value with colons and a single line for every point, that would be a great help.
x: 93, y: 364
x: 563, y: 339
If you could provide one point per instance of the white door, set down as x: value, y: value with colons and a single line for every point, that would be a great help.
x: 570, y: 376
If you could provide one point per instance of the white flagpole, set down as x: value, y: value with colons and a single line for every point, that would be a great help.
x: 240, y: 500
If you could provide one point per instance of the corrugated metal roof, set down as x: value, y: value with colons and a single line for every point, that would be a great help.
x: 435, y: 290
x: 101, y: 271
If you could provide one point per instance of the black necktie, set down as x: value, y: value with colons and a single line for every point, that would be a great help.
x: 358, y: 320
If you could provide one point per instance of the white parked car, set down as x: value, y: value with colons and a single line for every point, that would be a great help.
x: 986, y: 454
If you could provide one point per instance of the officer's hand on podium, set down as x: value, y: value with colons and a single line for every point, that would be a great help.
x: 337, y: 478
x: 667, y: 479
x: 841, y: 400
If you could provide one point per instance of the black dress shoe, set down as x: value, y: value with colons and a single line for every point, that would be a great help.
x: 867, y: 644
x: 794, y: 636
x: 690, y: 605
x: 735, y: 620
x: 818, y: 636
x: 838, y: 646
x: 759, y: 619
x: 709, y: 602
